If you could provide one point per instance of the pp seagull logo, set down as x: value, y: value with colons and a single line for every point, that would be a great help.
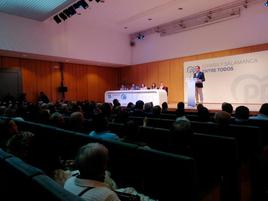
x: 123, y: 96
x: 190, y: 69
x: 250, y: 87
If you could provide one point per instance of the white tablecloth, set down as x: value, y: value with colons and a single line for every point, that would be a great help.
x: 126, y: 96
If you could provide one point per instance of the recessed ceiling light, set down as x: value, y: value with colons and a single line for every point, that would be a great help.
x: 180, y: 8
x: 125, y: 27
x: 150, y: 19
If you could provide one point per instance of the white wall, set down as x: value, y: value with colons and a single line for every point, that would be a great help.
x: 68, y: 39
x: 249, y: 29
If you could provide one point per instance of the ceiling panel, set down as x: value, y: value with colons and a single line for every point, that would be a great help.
x: 33, y: 9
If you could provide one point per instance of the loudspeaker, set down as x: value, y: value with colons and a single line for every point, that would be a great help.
x: 63, y: 89
x: 57, y: 19
x: 63, y: 16
x: 69, y: 11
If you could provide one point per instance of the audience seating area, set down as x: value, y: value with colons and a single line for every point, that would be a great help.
x: 23, y: 182
x: 147, y: 170
x: 216, y: 160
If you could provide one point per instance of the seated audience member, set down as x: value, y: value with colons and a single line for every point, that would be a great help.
x: 8, y: 129
x: 138, y: 111
x: 199, y: 106
x: 121, y: 116
x: 164, y: 107
x: 181, y: 136
x: 8, y: 98
x: 76, y: 122
x: 241, y: 114
x: 143, y: 87
x: 227, y: 107
x: 134, y: 87
x: 180, y: 109
x: 116, y: 103
x: 156, y: 111
x: 130, y: 107
x: 91, y: 162
x: 56, y: 119
x: 106, y: 109
x: 222, y: 118
x: 100, y: 126
x: 162, y: 86
x: 153, y: 86
x: 263, y: 113
x: 132, y: 133
x: 43, y: 97
x: 148, y: 108
x: 22, y: 98
x: 20, y: 145
x: 123, y: 87
x: 203, y: 114
x: 44, y: 116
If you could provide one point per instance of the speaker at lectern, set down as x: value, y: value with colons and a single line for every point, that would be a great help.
x: 191, y: 92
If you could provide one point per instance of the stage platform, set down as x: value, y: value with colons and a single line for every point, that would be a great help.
x: 214, y: 107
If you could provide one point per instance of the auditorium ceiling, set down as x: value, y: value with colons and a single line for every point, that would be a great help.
x: 123, y: 15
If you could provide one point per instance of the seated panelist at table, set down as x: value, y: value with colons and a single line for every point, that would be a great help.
x: 143, y: 87
x: 163, y: 87
x: 134, y: 87
x: 123, y: 87
x: 154, y: 86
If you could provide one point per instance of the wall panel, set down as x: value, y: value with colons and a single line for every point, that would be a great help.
x: 84, y: 82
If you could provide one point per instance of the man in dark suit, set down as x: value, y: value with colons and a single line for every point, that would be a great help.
x: 200, y: 78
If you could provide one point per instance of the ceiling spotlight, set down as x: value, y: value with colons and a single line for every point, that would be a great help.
x: 70, y: 11
x: 63, y: 16
x: 266, y: 3
x: 140, y: 36
x: 81, y: 3
x: 57, y: 19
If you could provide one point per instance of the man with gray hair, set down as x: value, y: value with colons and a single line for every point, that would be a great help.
x: 180, y: 137
x: 89, y: 184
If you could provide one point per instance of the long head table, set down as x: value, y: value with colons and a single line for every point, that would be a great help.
x: 125, y: 96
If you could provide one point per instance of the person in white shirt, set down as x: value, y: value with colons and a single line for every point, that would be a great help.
x: 89, y: 184
x: 143, y: 86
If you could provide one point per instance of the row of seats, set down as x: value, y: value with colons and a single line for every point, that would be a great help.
x: 216, y: 156
x: 216, y: 159
x: 149, y: 171
x: 20, y: 181
x: 250, y: 138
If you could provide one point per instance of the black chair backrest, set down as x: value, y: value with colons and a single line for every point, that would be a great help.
x: 168, y: 116
x: 117, y: 128
x: 160, y: 123
x: 248, y: 137
x: 21, y: 181
x: 217, y: 160
x: 159, y: 169
x: 48, y: 190
x: 156, y: 138
x: 4, y: 155
x: 138, y: 120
